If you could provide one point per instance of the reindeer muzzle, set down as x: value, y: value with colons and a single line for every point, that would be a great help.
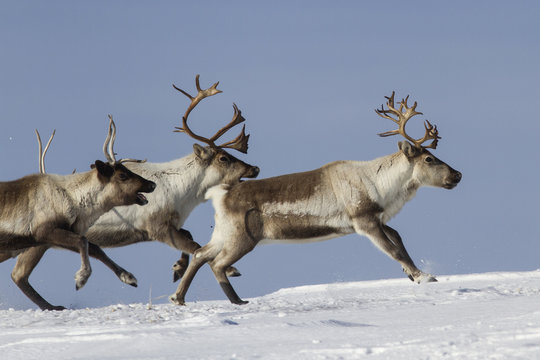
x: 452, y: 181
x: 253, y: 172
x: 147, y: 188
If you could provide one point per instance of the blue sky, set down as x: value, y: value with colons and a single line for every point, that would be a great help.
x: 307, y: 76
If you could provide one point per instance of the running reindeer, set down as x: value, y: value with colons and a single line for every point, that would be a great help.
x: 19, y: 274
x: 182, y: 184
x: 43, y: 210
x: 340, y: 198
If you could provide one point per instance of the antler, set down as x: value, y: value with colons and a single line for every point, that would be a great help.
x: 240, y: 143
x: 108, y: 146
x: 43, y: 152
x: 404, y: 114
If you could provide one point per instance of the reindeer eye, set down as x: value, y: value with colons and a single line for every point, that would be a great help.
x: 223, y: 159
x: 428, y: 159
x: 123, y: 177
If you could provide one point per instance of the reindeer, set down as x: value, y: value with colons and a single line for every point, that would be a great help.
x: 43, y: 210
x: 93, y: 250
x: 339, y: 198
x: 20, y: 272
x: 182, y: 184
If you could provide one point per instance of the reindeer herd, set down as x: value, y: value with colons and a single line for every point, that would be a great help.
x: 126, y: 201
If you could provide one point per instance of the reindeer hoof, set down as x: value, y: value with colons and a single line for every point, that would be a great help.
x: 175, y: 300
x: 420, y: 277
x: 128, y: 278
x: 241, y: 302
x: 54, y: 308
x: 232, y: 272
x: 426, y: 278
x: 408, y: 275
x: 81, y: 277
x: 177, y: 275
x: 179, y: 269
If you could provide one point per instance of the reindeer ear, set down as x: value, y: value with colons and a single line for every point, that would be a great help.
x: 103, y: 169
x: 202, y: 152
x: 408, y: 149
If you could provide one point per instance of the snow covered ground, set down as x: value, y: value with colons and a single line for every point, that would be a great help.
x: 477, y: 316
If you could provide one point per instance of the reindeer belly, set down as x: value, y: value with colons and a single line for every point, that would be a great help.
x: 299, y: 240
x: 302, y: 228
x: 15, y: 242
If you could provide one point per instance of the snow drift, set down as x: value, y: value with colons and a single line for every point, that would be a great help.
x: 478, y: 316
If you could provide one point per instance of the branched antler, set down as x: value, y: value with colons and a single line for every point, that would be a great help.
x: 240, y: 143
x: 404, y: 114
x: 108, y: 146
x: 43, y: 152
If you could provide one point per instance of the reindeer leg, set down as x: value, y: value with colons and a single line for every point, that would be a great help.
x: 26, y: 262
x: 179, y: 268
x: 390, y: 245
x: 66, y: 239
x: 97, y: 253
x: 396, y: 239
x: 200, y: 257
x: 124, y: 275
x: 181, y: 239
x: 219, y: 265
x: 6, y: 255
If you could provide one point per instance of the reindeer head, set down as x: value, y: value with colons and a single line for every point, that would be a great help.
x: 428, y: 170
x: 126, y: 186
x: 223, y: 168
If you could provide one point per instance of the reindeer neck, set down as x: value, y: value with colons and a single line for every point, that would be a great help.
x: 87, y: 194
x: 393, y: 183
x: 179, y: 180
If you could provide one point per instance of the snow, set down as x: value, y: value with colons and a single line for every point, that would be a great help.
x: 476, y: 316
